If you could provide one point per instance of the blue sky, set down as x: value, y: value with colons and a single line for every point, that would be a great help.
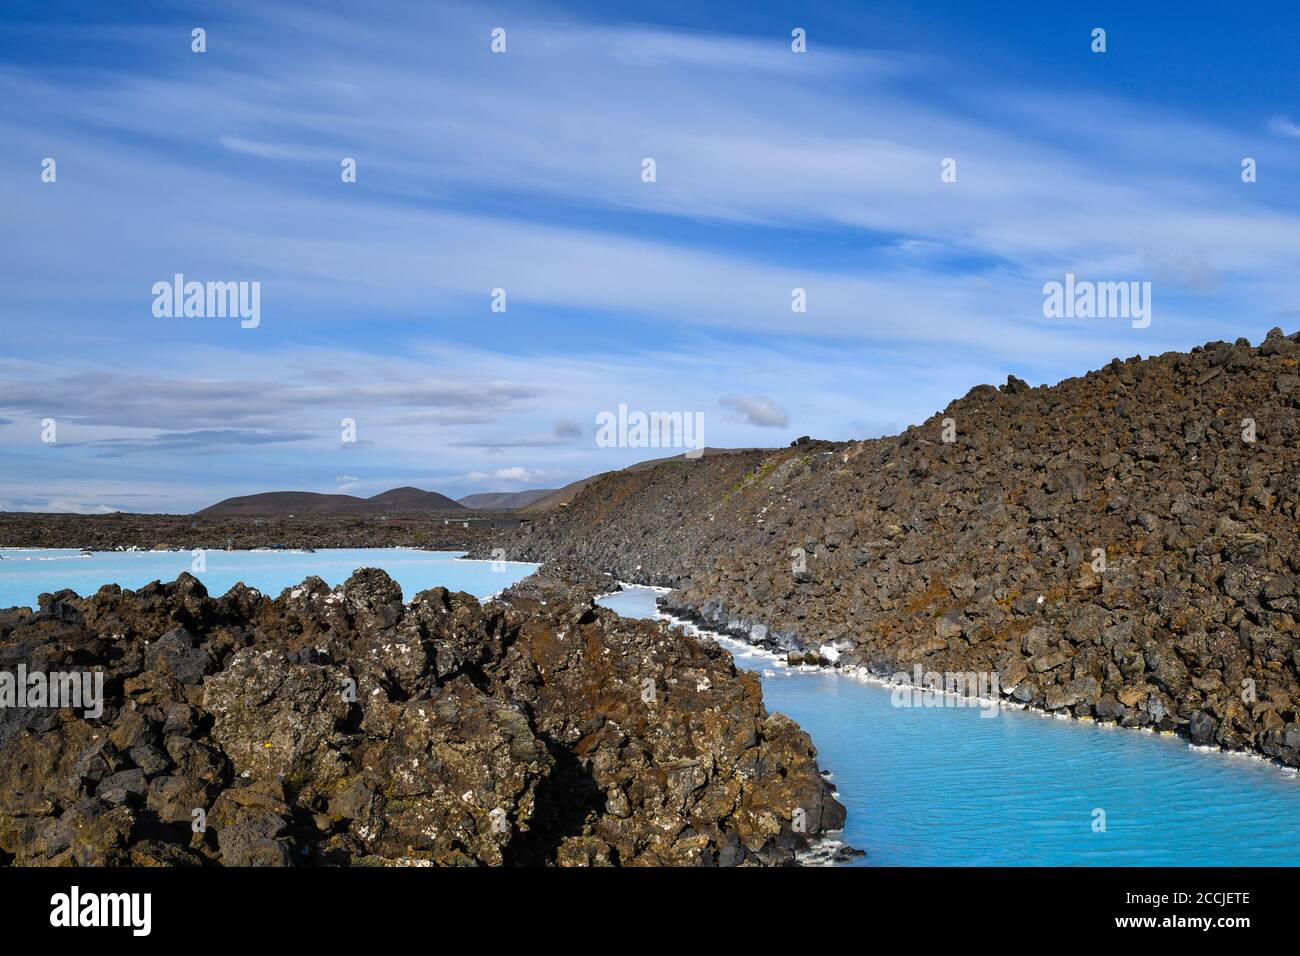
x: 522, y: 171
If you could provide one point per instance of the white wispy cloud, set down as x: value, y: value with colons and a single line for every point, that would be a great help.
x: 756, y: 410
x: 1284, y: 126
x: 510, y: 476
x: 522, y: 172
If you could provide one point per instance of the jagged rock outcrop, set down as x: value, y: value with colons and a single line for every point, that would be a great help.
x: 1121, y: 545
x: 344, y: 726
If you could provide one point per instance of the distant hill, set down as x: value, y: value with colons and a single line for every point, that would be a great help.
x: 413, y: 499
x: 504, y: 500
x: 273, y: 503
x: 562, y: 496
x: 408, y: 499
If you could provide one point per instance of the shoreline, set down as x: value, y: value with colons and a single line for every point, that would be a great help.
x: 438, y: 764
x: 444, y: 555
x: 863, y: 675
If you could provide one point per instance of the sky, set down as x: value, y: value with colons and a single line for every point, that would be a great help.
x: 524, y: 171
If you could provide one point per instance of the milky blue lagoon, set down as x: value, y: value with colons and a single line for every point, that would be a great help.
x: 24, y: 574
x: 923, y: 786
x: 943, y: 786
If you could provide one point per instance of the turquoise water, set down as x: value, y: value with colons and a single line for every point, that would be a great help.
x: 24, y: 574
x: 944, y: 786
x: 923, y: 786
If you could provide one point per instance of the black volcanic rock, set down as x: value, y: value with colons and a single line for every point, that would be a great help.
x: 345, y: 727
x: 1122, y: 545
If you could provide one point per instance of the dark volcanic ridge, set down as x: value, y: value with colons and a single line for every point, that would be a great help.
x: 504, y: 500
x: 1121, y: 546
x: 123, y: 530
x: 561, y: 497
x: 336, y: 727
x: 292, y: 503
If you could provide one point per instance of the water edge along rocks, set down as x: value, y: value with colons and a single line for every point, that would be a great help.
x: 345, y: 726
x: 1122, y: 545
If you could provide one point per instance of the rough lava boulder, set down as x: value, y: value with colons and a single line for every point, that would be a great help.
x: 1123, y: 546
x: 345, y: 727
